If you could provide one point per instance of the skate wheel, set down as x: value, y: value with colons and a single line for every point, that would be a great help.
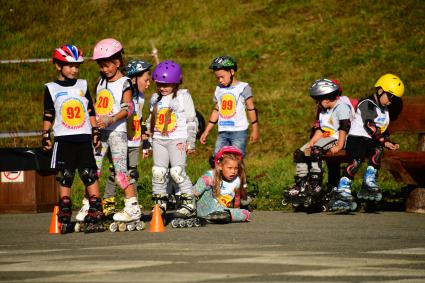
x: 122, y: 227
x: 197, y: 222
x: 77, y: 227
x: 131, y: 227
x: 353, y: 206
x: 378, y: 197
x: 140, y: 226
x: 113, y: 227
x: 189, y: 223
x: 324, y: 208
x: 182, y: 223
x: 284, y: 203
x: 175, y: 223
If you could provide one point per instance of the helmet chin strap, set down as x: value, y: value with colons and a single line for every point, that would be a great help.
x: 378, y: 95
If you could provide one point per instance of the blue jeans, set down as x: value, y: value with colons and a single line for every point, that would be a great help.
x: 236, y: 139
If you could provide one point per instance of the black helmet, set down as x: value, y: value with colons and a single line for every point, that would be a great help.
x: 224, y: 62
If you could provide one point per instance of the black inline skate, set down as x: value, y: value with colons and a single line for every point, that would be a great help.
x: 185, y: 216
x: 64, y: 215
x: 93, y: 222
x: 297, y: 194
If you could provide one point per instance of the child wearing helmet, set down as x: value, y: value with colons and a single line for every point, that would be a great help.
x: 217, y: 188
x: 233, y: 100
x: 113, y: 107
x: 368, y: 137
x: 172, y: 124
x: 138, y: 72
x: 329, y: 133
x: 68, y: 107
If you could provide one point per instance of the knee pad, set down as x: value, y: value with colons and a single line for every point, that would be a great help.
x: 317, y: 153
x: 301, y: 169
x: 159, y: 174
x: 353, y: 167
x: 299, y: 156
x: 133, y: 173
x: 88, y: 176
x: 122, y: 180
x: 66, y: 178
x: 376, y: 158
x: 178, y: 174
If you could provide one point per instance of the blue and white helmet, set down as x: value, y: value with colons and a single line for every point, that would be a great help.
x: 136, y: 67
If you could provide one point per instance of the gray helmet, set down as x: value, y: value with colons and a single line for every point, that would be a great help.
x: 323, y: 89
x: 136, y: 67
x: 224, y: 62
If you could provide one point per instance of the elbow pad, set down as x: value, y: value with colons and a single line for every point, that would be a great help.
x: 49, y: 115
x: 344, y: 125
x: 129, y: 107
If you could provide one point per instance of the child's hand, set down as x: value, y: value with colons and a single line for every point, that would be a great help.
x: 145, y: 153
x: 203, y: 138
x: 254, y: 136
x: 103, y: 122
x: 46, y: 141
x: 391, y: 146
x: 335, y: 149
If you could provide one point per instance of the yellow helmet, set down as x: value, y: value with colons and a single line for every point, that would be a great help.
x: 392, y: 84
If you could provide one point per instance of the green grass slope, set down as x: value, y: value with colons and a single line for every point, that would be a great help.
x: 281, y: 48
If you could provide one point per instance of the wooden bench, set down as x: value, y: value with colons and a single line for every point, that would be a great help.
x: 406, y: 166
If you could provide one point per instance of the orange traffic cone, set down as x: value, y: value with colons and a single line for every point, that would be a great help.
x: 54, y: 223
x: 157, y: 225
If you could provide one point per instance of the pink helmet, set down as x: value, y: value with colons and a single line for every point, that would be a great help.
x: 107, y: 48
x: 227, y: 150
x: 68, y: 54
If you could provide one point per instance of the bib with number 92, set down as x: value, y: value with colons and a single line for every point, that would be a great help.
x: 73, y: 114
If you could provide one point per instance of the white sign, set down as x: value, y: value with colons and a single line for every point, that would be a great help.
x: 12, y: 176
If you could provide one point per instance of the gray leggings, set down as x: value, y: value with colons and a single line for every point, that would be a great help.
x: 170, y: 153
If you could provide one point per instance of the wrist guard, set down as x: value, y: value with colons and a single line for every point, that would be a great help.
x: 95, y: 135
x: 46, y: 138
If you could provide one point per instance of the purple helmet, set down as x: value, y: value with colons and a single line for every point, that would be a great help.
x: 167, y: 72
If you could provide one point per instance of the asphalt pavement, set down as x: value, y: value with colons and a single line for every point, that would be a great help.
x: 273, y: 247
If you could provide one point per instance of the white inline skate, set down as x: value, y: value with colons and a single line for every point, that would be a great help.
x: 79, y: 224
x: 128, y: 218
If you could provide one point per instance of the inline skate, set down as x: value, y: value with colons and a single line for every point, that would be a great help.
x: 185, y: 216
x: 370, y: 190
x: 129, y: 218
x: 297, y: 194
x: 341, y: 200
x: 93, y: 222
x: 79, y: 224
x: 219, y: 217
x: 64, y: 215
x: 109, y: 209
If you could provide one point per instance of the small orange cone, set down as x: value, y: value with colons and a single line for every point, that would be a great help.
x: 54, y: 223
x: 157, y: 225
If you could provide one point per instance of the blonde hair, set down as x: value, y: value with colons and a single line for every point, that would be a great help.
x: 241, y: 173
